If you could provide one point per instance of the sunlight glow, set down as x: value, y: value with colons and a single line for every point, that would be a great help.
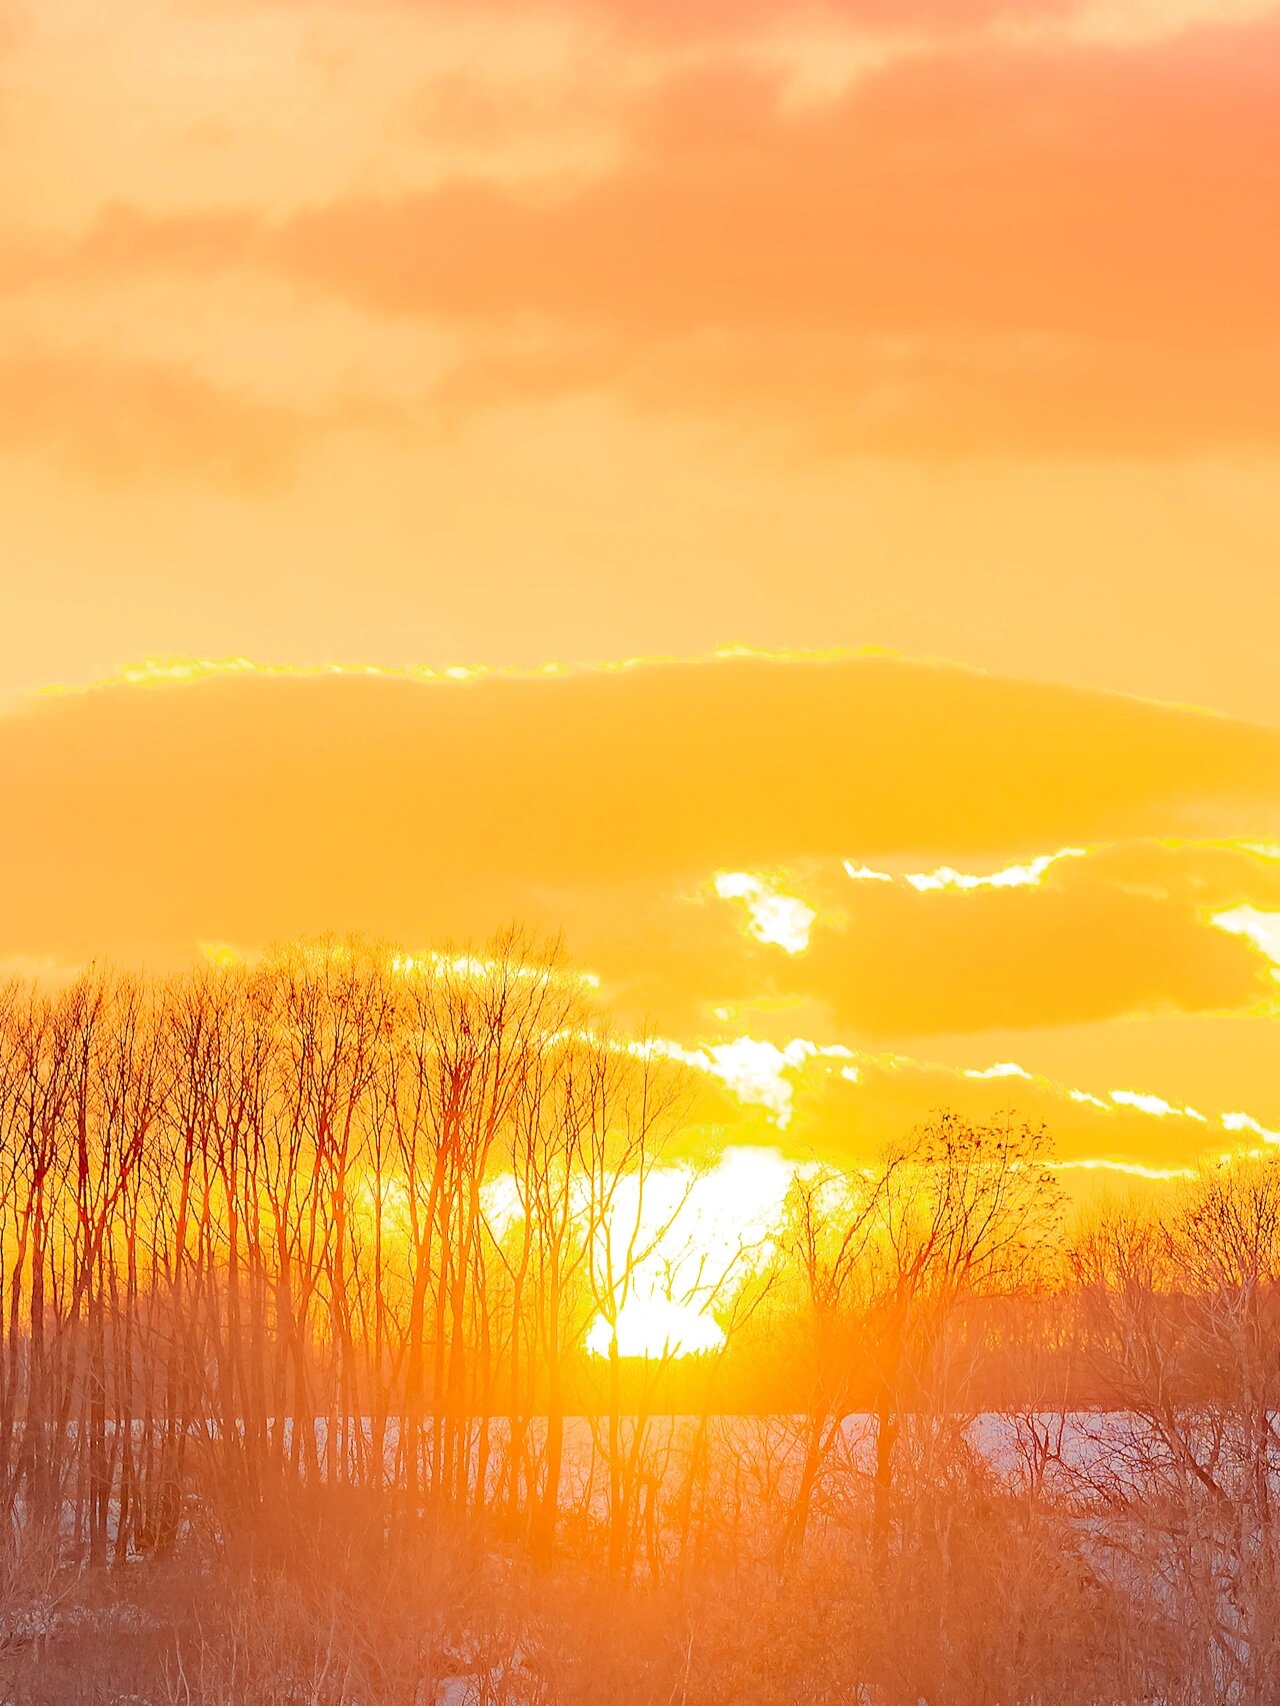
x: 700, y: 1234
x: 1029, y: 875
x: 1256, y: 926
x: 184, y: 670
x: 1246, y: 1122
x: 500, y: 1201
x: 671, y: 1248
x: 432, y: 964
x: 1153, y: 1105
x: 1088, y: 1099
x: 1134, y: 1169
x: 757, y: 1071
x: 773, y: 917
x: 227, y: 955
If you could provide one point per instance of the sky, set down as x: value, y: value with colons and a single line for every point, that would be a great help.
x: 782, y: 494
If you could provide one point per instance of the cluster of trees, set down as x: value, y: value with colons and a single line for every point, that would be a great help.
x: 248, y: 1215
x: 345, y: 1222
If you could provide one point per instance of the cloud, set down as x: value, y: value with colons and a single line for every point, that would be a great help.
x: 121, y: 419
x: 1124, y: 929
x: 247, y: 808
x: 911, y: 964
x: 983, y: 249
x: 994, y: 244
x: 665, y: 21
x: 668, y: 26
x: 1137, y: 1134
x: 1053, y: 184
x: 980, y: 247
x: 142, y: 821
x: 854, y: 1118
x: 1147, y: 1103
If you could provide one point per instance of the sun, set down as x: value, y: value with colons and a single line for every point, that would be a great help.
x: 701, y: 1233
x: 656, y: 1327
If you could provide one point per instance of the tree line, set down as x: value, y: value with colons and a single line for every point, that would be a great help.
x: 345, y: 1224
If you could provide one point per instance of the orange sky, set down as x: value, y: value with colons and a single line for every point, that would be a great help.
x: 419, y: 336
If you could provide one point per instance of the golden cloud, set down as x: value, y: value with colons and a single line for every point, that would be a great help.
x: 250, y: 807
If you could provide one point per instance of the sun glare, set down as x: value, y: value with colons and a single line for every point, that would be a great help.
x: 655, y: 1327
x: 700, y: 1234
